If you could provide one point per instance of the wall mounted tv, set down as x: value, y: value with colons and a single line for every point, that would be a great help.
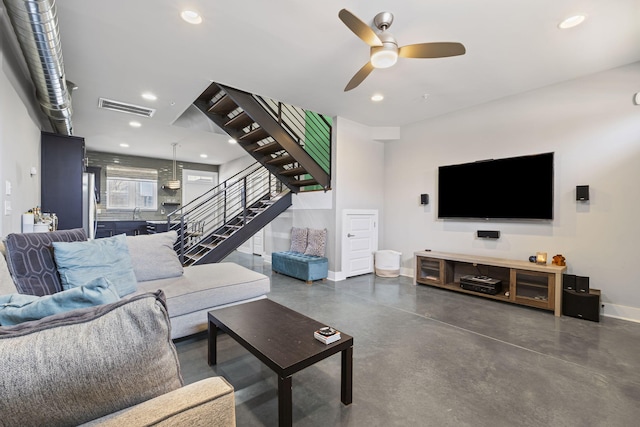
x: 519, y: 188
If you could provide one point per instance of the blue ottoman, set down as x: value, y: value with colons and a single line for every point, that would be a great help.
x: 300, y: 266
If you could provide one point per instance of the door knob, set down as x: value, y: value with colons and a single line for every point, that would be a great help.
x: 351, y: 235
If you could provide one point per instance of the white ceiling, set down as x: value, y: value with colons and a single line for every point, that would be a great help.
x: 300, y: 53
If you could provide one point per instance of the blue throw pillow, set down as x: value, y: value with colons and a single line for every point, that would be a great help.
x: 18, y: 308
x: 81, y: 262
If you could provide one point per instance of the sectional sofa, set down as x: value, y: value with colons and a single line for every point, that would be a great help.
x: 190, y: 292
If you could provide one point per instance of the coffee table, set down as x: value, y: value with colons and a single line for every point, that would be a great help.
x: 283, y: 340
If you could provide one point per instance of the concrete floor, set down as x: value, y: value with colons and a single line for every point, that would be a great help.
x: 430, y: 357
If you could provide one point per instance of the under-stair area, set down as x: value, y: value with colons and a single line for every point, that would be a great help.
x: 292, y: 148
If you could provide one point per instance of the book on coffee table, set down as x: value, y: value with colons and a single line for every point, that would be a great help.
x: 327, y: 337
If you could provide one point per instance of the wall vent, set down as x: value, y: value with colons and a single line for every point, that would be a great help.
x: 123, y: 107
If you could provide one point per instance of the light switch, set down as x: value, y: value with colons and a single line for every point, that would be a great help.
x: 7, y: 207
x: 7, y: 188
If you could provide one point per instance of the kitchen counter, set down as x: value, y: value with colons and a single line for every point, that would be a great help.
x: 108, y: 228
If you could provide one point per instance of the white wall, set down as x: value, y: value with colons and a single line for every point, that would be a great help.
x: 231, y: 168
x: 594, y: 129
x: 19, y: 144
x: 359, y: 177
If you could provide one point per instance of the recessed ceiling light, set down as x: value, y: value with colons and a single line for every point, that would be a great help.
x: 191, y: 17
x: 204, y: 156
x: 572, y: 21
x: 149, y: 96
x: 377, y: 97
x: 135, y: 124
x: 232, y: 141
x: 123, y: 145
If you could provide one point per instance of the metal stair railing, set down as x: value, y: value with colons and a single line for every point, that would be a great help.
x: 226, y: 206
x: 310, y: 130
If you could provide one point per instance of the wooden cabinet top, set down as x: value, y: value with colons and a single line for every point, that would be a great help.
x: 498, y: 262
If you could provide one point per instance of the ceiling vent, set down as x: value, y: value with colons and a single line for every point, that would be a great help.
x: 122, y: 107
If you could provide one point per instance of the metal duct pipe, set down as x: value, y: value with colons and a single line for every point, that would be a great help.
x: 35, y: 24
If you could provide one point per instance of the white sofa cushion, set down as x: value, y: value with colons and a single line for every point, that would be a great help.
x: 209, y: 285
x: 153, y: 257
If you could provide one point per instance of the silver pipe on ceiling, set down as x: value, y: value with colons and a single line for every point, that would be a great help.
x: 35, y: 24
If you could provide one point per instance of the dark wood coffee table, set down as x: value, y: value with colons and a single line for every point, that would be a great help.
x: 283, y: 340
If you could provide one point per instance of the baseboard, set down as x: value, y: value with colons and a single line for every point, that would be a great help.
x: 623, y: 312
x: 407, y: 272
x: 336, y: 276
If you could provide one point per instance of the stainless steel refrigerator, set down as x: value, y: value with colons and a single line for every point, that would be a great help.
x: 89, y: 204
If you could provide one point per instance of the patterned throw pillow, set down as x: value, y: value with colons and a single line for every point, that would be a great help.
x: 30, y: 260
x: 298, y: 239
x: 316, y: 242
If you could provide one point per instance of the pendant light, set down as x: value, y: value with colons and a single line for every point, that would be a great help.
x: 174, y: 184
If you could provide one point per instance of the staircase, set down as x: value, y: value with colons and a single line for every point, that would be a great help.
x: 213, y: 225
x: 291, y: 143
x: 292, y: 148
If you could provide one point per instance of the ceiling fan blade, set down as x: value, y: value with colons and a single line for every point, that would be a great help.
x: 359, y: 76
x: 432, y: 50
x: 359, y: 28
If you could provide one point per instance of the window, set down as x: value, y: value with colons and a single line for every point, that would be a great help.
x: 129, y: 188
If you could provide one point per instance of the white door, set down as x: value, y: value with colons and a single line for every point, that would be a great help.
x: 359, y: 241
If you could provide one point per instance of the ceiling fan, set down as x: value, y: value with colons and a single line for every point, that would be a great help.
x: 384, y: 48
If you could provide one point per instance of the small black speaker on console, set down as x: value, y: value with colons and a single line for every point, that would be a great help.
x: 424, y: 199
x: 488, y: 234
x: 569, y: 282
x: 581, y: 305
x: 582, y: 193
x: 582, y: 284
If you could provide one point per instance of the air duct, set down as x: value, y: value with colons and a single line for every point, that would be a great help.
x: 35, y: 24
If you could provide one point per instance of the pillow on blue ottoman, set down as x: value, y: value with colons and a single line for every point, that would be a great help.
x: 81, y: 262
x: 18, y: 308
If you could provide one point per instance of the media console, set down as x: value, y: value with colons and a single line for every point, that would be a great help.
x: 521, y: 282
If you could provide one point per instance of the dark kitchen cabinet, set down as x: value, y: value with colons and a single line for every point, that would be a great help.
x: 111, y: 228
x: 62, y: 165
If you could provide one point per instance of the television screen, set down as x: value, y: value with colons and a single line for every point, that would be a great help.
x: 511, y: 188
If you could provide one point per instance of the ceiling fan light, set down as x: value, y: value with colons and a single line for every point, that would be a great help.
x: 384, y: 56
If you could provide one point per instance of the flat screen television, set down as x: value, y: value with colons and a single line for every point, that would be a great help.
x: 519, y: 188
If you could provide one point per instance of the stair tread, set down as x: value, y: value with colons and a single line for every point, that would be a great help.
x: 194, y: 257
x: 223, y: 106
x: 208, y: 245
x: 254, y: 135
x: 285, y: 159
x: 304, y: 182
x: 270, y: 148
x: 240, y: 121
x: 294, y: 171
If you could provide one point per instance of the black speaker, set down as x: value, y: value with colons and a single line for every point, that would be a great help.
x: 582, y: 284
x: 424, y: 199
x: 569, y: 282
x: 582, y: 193
x: 488, y: 234
x: 580, y: 305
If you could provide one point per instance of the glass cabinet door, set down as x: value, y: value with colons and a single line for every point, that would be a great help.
x: 429, y: 270
x: 534, y: 288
